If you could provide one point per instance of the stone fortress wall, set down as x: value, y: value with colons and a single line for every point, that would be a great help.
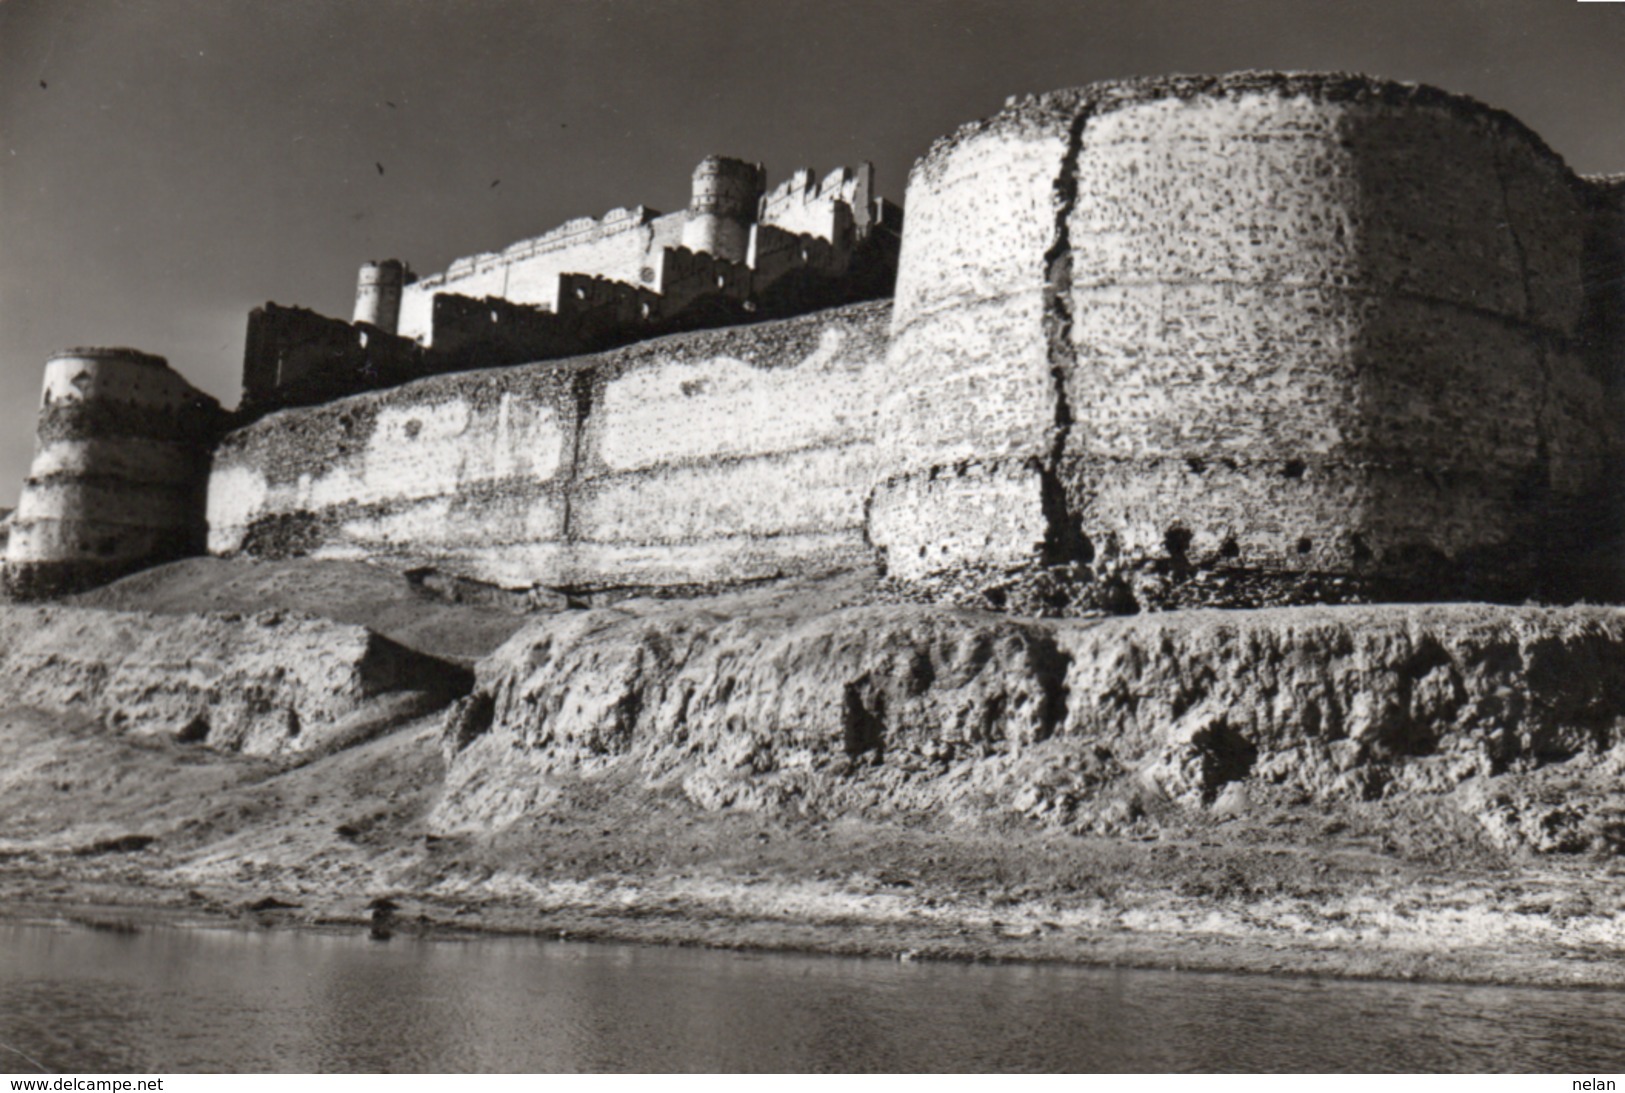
x: 527, y: 272
x: 1250, y: 339
x: 1200, y: 340
x: 695, y: 459
x: 119, y: 474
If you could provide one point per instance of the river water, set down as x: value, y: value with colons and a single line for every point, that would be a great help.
x: 169, y: 1000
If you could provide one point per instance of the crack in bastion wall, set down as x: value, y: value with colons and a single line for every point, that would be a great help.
x: 1244, y: 340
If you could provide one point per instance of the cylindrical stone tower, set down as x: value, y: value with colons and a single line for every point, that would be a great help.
x: 1239, y: 340
x: 1605, y: 273
x: 378, y: 294
x: 119, y: 475
x: 726, y: 195
x: 1604, y: 335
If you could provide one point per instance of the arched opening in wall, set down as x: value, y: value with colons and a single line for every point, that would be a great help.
x: 862, y: 729
x: 195, y: 731
x: 1177, y: 541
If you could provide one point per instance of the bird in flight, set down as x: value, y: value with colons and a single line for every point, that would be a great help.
x: 380, y: 167
x: 42, y: 85
x: 495, y: 184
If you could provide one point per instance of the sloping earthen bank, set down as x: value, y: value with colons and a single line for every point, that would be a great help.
x: 1404, y: 791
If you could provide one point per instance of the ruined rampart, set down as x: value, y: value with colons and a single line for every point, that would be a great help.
x: 1247, y: 339
x: 293, y: 356
x: 527, y: 272
x: 702, y: 458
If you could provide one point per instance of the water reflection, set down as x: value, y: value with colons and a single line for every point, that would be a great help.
x: 176, y: 1001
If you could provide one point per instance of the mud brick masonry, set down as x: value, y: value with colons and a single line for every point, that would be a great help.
x: 1236, y: 340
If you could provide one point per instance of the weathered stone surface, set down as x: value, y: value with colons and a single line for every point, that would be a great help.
x: 729, y: 455
x: 267, y: 684
x: 119, y: 472
x: 808, y: 700
x: 1252, y: 339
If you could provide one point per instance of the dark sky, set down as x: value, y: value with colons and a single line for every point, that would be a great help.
x: 187, y: 160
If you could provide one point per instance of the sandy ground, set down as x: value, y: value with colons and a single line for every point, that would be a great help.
x: 111, y: 831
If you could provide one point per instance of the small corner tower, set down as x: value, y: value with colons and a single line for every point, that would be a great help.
x: 378, y: 293
x: 726, y: 195
x: 119, y: 475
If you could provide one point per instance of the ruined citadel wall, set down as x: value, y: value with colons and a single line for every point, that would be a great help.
x: 802, y: 205
x: 294, y: 356
x: 1244, y: 339
x: 1233, y: 340
x: 527, y: 272
x: 719, y: 456
x: 803, y: 219
x: 119, y: 472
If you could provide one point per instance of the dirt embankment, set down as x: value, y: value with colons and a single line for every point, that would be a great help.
x: 792, y: 700
x: 265, y: 684
x: 1384, y: 791
x: 453, y: 620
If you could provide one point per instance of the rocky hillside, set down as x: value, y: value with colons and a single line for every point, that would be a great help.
x: 1411, y: 790
x: 807, y: 700
x: 266, y: 684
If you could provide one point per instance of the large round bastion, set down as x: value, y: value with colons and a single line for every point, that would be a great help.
x: 120, y: 471
x: 1250, y: 339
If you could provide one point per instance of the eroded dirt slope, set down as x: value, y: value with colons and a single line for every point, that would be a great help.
x: 1427, y: 792
x: 806, y: 700
x: 450, y: 619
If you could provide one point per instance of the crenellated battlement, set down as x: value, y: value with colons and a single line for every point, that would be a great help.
x: 729, y: 256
